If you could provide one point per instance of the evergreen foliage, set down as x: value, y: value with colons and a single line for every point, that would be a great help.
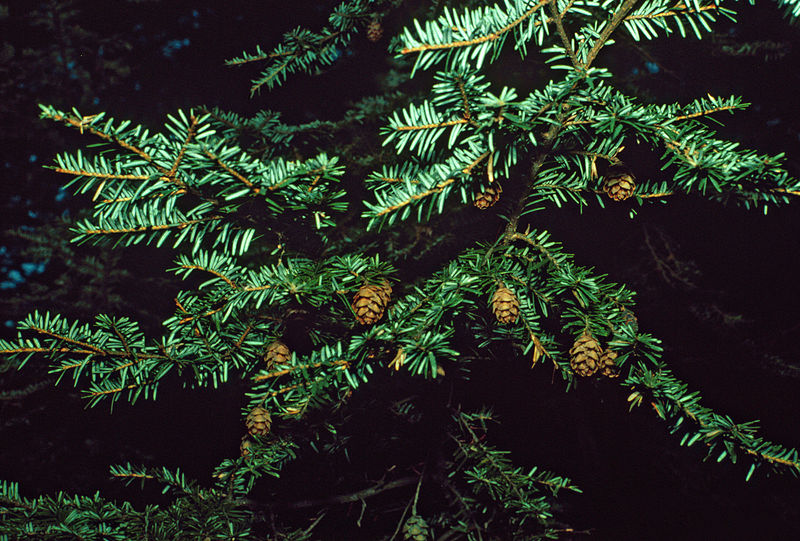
x: 270, y: 244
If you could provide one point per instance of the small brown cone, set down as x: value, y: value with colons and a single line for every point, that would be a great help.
x: 370, y: 302
x: 244, y: 447
x: 276, y: 353
x: 258, y: 421
x: 415, y: 529
x: 488, y: 197
x: 608, y: 367
x: 374, y: 30
x: 619, y: 182
x: 585, y: 355
x: 505, y: 305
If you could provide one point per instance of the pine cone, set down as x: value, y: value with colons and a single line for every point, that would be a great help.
x: 258, y: 421
x: 276, y: 353
x: 244, y: 447
x: 415, y: 529
x: 608, y: 368
x: 489, y: 196
x: 505, y: 305
x: 374, y: 30
x: 619, y: 182
x: 370, y: 302
x: 585, y: 355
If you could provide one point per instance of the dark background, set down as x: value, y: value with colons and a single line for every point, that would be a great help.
x: 726, y: 306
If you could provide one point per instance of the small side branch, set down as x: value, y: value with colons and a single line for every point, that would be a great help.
x: 612, y: 25
x: 354, y: 496
x: 488, y: 37
x: 557, y: 17
x: 228, y: 169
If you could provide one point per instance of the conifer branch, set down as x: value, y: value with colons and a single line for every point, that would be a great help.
x: 671, y: 401
x: 216, y: 273
x: 96, y: 350
x: 190, y: 133
x: 256, y: 190
x: 436, y: 189
x: 114, y: 390
x: 86, y: 123
x: 477, y: 41
x: 278, y: 373
x: 363, y: 494
x: 674, y: 11
x: 431, y: 126
x: 194, y: 183
x: 558, y: 18
x: 154, y: 227
x: 97, y: 174
x: 611, y: 25
x: 153, y: 196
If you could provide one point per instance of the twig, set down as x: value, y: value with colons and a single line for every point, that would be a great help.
x: 618, y: 17
x: 564, y: 38
x: 354, y: 496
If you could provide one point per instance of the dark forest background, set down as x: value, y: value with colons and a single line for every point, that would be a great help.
x: 718, y: 284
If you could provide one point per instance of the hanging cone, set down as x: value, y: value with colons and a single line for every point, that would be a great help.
x: 277, y: 353
x: 488, y: 197
x: 415, y: 529
x: 619, y: 182
x: 608, y: 367
x: 374, y: 30
x: 244, y: 447
x: 258, y: 421
x: 585, y: 355
x: 505, y: 305
x: 370, y: 302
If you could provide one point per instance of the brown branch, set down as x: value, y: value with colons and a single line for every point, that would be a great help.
x: 652, y: 195
x: 133, y: 475
x: 259, y: 58
x: 468, y: 169
x: 703, y: 113
x: 438, y: 188
x: 94, y: 349
x: 279, y: 373
x: 210, y: 271
x: 295, y: 54
x: 233, y: 172
x: 159, y: 227
x: 258, y: 288
x: 489, y: 37
x: 430, y: 126
x: 124, y: 343
x: 557, y: 17
x: 467, y: 114
x: 612, y: 25
x: 354, y: 496
x: 110, y: 176
x: 674, y: 11
x: 81, y: 125
x: 190, y: 133
x: 239, y: 342
x: 115, y: 390
x: 771, y: 458
x: 209, y: 313
x: 287, y: 389
x: 152, y: 196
